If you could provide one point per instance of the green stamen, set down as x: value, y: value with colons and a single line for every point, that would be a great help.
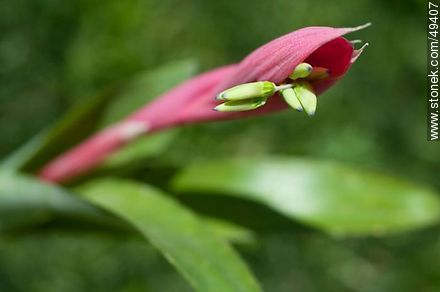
x: 301, y: 71
x: 291, y: 99
x: 260, y: 89
x: 306, y: 96
x: 241, y: 105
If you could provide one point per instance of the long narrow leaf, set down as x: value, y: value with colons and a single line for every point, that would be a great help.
x: 333, y: 197
x: 207, y: 262
x: 26, y: 201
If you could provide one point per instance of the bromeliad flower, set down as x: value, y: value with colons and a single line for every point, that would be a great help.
x: 291, y: 70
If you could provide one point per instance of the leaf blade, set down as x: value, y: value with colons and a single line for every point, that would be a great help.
x: 206, y: 262
x: 26, y: 201
x: 335, y: 198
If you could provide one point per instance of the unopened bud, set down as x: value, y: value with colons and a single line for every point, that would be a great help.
x: 260, y: 89
x: 301, y: 71
x: 291, y: 99
x: 241, y: 105
x: 306, y: 96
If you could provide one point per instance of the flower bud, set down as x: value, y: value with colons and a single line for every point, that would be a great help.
x: 306, y: 96
x: 260, y: 89
x: 301, y: 71
x: 241, y: 105
x: 291, y: 99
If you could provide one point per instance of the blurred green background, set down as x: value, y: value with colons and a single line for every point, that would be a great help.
x: 54, y: 54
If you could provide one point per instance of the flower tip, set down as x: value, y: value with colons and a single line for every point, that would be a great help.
x: 357, y: 53
x: 311, y: 113
x: 360, y: 27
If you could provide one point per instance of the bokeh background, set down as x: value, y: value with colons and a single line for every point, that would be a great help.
x: 55, y: 54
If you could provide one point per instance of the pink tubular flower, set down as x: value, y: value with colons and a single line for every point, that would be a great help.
x: 194, y: 100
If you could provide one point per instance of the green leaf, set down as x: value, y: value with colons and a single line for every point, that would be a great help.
x: 335, y: 198
x: 27, y: 201
x: 230, y: 231
x: 207, y: 262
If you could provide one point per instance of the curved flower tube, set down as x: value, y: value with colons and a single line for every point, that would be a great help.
x: 194, y: 100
